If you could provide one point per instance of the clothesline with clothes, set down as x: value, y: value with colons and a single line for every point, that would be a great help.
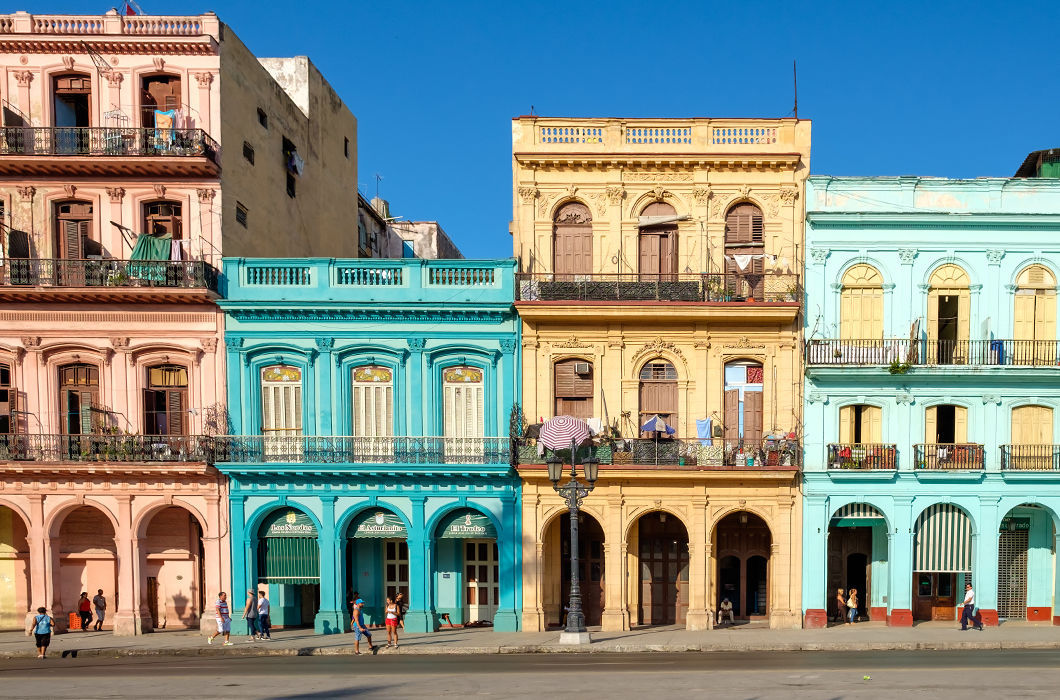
x: 149, y: 246
x: 775, y: 263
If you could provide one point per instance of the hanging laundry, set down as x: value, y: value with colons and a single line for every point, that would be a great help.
x: 703, y: 428
x: 743, y: 261
x: 165, y: 127
x: 596, y: 426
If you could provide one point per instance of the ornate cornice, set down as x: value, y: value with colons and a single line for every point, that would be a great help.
x: 177, y: 46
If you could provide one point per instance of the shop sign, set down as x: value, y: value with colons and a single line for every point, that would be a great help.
x: 467, y: 524
x: 379, y: 524
x: 291, y: 523
x: 1014, y: 524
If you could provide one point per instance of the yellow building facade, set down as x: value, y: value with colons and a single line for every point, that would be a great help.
x: 659, y: 266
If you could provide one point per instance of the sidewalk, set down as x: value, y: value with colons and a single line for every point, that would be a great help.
x: 874, y: 636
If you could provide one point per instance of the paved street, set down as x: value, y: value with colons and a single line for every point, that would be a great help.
x: 940, y: 674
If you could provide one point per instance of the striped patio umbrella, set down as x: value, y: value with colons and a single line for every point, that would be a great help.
x: 557, y: 433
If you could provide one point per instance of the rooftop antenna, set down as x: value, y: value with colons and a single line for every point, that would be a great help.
x: 795, y: 81
x: 531, y: 110
x: 378, y: 179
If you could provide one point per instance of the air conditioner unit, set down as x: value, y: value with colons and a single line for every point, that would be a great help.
x: 582, y: 368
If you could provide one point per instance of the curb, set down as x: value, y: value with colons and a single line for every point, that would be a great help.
x: 414, y: 650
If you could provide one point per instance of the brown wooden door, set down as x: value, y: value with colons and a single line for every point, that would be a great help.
x: 658, y: 393
x: 752, y: 416
x: 934, y: 596
x: 732, y: 414
x: 79, y: 396
x: 663, y: 549
x: 573, y: 392
x: 152, y: 600
x: 591, y: 566
x: 745, y: 235
x: 572, y: 239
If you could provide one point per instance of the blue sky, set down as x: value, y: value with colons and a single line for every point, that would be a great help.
x: 956, y: 89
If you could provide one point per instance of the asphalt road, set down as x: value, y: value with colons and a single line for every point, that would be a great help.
x: 786, y: 675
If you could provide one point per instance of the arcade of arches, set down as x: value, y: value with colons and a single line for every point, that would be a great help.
x: 651, y: 558
x: 158, y: 559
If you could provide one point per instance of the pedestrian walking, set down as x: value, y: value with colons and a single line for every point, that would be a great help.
x: 84, y: 610
x: 852, y: 606
x: 250, y: 614
x: 42, y: 631
x: 100, y: 604
x: 968, y: 612
x: 224, y: 619
x: 359, y: 628
x: 402, y: 607
x: 840, y: 606
x: 263, y: 616
x: 393, y: 616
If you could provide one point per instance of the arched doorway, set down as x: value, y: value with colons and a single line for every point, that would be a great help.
x: 942, y: 561
x: 289, y: 564
x: 857, y: 542
x: 742, y: 546
x: 467, y: 567
x: 174, y: 570
x: 662, y: 564
x: 1034, y: 314
x: 556, y: 576
x: 744, y: 248
x: 658, y: 394
x: 949, y: 316
x: 572, y: 241
x: 88, y: 557
x: 657, y: 242
x: 1026, y: 564
x: 14, y: 570
x: 377, y: 561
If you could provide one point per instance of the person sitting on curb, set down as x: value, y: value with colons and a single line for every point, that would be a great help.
x: 726, y: 609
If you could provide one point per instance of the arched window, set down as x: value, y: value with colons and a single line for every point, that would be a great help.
x: 158, y: 93
x: 658, y: 393
x: 573, y: 388
x: 166, y: 400
x: 281, y: 401
x: 657, y: 240
x: 861, y: 304
x: 373, y: 401
x: 79, y: 399
x: 1034, y: 317
x: 572, y: 240
x: 949, y: 316
x: 7, y: 401
x: 744, y: 247
x: 743, y: 410
x: 462, y: 390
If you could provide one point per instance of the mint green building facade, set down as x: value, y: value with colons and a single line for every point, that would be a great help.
x: 932, y: 397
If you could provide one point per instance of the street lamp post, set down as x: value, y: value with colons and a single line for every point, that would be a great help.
x: 573, y: 492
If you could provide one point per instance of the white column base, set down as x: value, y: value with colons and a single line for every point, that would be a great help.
x: 574, y: 638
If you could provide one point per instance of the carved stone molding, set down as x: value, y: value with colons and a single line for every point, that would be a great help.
x: 120, y: 343
x: 31, y: 342
x: 114, y: 78
x: 614, y: 194
x: 744, y: 343
x: 208, y: 345
x: 571, y: 342
x: 659, y: 193
x: 701, y: 195
x: 116, y: 194
x: 206, y: 195
x: 27, y: 192
x: 991, y: 398
x: 204, y: 79
x: 160, y: 190
x: 907, y: 255
x: 234, y: 342
x: 528, y: 193
x: 903, y: 398
x: 653, y: 176
x: 507, y: 345
x: 417, y: 344
x: 572, y: 190
x: 23, y: 77
x: 68, y: 62
x: 745, y: 191
x: 70, y: 190
x: 994, y: 256
x: 599, y: 201
x: 772, y: 203
x: 160, y: 63
x: 788, y: 195
x: 325, y: 343
x: 816, y: 397
x: 819, y: 255
x: 659, y: 345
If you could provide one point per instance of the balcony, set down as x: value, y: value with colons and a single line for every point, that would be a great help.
x: 950, y: 456
x: 1042, y: 458
x: 669, y: 453
x: 862, y: 456
x: 34, y: 151
x: 344, y: 449
x: 103, y: 448
x: 768, y: 288
x: 103, y: 280
x: 928, y: 353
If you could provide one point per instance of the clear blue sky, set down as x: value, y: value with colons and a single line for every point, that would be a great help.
x: 957, y: 89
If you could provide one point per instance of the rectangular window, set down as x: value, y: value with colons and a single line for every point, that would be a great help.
x: 7, y: 401
x: 166, y: 400
x: 263, y: 118
x: 290, y: 185
x: 241, y: 214
x: 346, y: 146
x: 248, y: 152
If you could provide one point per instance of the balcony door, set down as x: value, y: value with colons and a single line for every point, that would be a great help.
x: 373, y: 413
x: 572, y: 241
x: 861, y: 304
x: 743, y: 403
x: 657, y: 242
x: 72, y: 112
x: 161, y: 93
x: 74, y: 231
x: 658, y: 394
x: 1034, y: 314
x: 79, y: 399
x: 946, y: 425
x: 860, y: 425
x: 574, y: 388
x: 1032, y: 437
x: 166, y: 400
x: 744, y: 247
x: 949, y: 316
x: 463, y: 419
x: 281, y: 411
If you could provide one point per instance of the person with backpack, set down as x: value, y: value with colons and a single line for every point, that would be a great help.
x: 42, y: 631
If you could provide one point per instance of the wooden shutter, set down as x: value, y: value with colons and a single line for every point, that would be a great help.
x: 463, y: 409
x: 568, y: 384
x: 1045, y: 316
x: 849, y: 321
x: 964, y: 316
x: 872, y: 313
x: 1044, y: 432
x: 1021, y: 418
x: 373, y: 409
x: 752, y: 415
x: 960, y: 424
x: 846, y: 424
x: 871, y: 424
x: 931, y: 434
x: 1024, y: 316
x: 175, y: 416
x: 649, y: 244
x: 84, y: 407
x: 731, y: 411
x: 72, y: 241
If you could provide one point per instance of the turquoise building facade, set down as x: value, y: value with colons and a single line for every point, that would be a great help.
x: 932, y: 395
x: 369, y: 409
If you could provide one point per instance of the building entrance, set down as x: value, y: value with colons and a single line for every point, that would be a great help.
x: 934, y: 596
x: 663, y: 561
x: 742, y: 543
x: 289, y: 562
x: 591, y: 563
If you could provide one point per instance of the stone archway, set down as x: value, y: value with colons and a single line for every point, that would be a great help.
x: 742, y: 545
x: 556, y: 575
x: 172, y: 570
x: 87, y: 559
x: 14, y: 570
x: 660, y: 541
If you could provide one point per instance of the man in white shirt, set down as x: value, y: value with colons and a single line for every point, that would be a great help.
x: 263, y: 616
x: 726, y: 609
x: 969, y: 609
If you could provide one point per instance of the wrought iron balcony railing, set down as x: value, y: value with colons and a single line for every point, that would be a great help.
x: 949, y: 456
x: 768, y: 452
x: 862, y: 456
x: 768, y: 288
x: 342, y: 449
x: 104, y: 448
x: 997, y: 352
x: 1045, y: 458
x: 106, y: 141
x: 179, y: 274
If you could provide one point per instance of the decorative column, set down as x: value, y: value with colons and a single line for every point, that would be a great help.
x: 114, y: 80
x: 213, y: 581
x: 985, y: 559
x: 127, y: 620
x: 615, y: 616
x: 420, y: 615
x: 243, y: 577
x: 900, y: 554
x: 509, y: 549
x: 416, y: 382
x: 36, y: 540
x: 23, y: 78
x: 116, y: 195
x: 32, y: 379
x: 614, y: 194
x: 329, y: 619
x: 326, y: 391
x: 238, y: 392
x: 699, y: 615
x: 815, y: 561
x: 994, y: 256
x: 205, y: 80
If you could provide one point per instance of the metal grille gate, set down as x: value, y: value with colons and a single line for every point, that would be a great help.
x: 1012, y: 574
